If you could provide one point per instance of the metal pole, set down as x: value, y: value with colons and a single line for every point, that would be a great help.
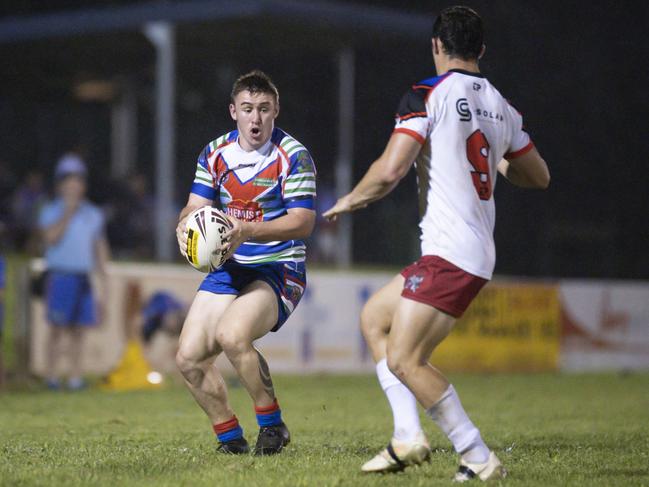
x: 346, y: 78
x: 162, y: 36
x: 123, y: 144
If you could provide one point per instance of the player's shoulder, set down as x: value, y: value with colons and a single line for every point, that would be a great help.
x: 484, y: 87
x: 413, y: 102
x: 287, y: 143
x: 504, y: 102
x: 428, y: 84
x: 221, y: 141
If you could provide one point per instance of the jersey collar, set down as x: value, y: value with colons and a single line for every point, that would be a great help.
x: 264, y: 150
x: 468, y: 73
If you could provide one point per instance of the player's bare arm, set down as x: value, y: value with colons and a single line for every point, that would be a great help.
x: 526, y: 171
x: 297, y: 224
x: 382, y: 177
x: 193, y: 202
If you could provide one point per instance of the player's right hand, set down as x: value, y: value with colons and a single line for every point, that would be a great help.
x: 343, y: 205
x: 181, y: 236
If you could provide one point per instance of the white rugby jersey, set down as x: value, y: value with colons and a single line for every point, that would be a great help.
x: 465, y: 127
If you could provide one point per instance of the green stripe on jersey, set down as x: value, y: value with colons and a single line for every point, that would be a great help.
x: 299, y: 190
x: 263, y: 199
x: 203, y: 180
x: 294, y: 254
x: 299, y: 179
x: 292, y: 146
x: 293, y: 187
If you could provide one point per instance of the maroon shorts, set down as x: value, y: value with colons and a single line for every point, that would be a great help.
x: 438, y: 283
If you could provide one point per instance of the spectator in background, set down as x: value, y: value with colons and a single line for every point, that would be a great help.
x: 76, y: 249
x: 163, y: 312
x: 141, y: 216
x: 130, y: 217
x: 26, y: 202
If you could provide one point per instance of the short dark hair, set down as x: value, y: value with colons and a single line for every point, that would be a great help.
x: 460, y: 30
x: 255, y: 81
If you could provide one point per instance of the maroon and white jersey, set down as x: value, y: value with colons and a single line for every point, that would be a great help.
x: 465, y: 128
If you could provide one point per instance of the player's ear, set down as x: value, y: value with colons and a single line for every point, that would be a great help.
x: 276, y: 109
x: 233, y: 112
x: 435, y: 46
x: 482, y: 51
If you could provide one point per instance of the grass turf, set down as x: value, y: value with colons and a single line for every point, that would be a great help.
x: 549, y: 430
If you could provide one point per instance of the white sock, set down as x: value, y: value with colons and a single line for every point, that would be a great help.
x: 402, y: 402
x: 450, y: 416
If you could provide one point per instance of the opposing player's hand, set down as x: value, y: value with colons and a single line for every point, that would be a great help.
x: 343, y: 205
x: 181, y: 236
x: 239, y: 233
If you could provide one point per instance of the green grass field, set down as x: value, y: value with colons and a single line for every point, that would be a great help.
x: 549, y: 430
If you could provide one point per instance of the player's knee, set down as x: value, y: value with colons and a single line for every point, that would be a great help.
x: 231, y: 342
x: 399, y: 364
x: 371, y: 322
x: 185, y: 362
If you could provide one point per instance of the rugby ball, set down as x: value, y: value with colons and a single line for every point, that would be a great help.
x: 205, y: 229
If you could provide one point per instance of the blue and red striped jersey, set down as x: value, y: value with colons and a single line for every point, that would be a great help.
x: 259, y: 185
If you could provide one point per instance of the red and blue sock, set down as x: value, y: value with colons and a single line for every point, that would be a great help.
x: 268, y: 415
x: 228, y: 430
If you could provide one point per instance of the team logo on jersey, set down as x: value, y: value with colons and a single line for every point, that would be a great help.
x: 248, y: 211
x: 489, y: 115
x: 414, y: 282
x: 462, y: 107
x: 304, y: 163
x: 265, y: 182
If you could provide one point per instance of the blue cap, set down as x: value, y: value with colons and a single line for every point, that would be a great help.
x: 68, y: 165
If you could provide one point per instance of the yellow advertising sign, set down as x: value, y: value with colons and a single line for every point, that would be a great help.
x: 507, y: 328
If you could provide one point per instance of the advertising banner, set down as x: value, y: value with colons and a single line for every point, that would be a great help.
x: 512, y: 325
x: 605, y: 325
x: 508, y: 327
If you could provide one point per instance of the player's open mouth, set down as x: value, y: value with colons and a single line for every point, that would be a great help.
x: 255, y: 131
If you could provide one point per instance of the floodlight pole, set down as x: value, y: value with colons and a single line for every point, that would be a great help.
x: 344, y: 173
x: 162, y: 36
x: 123, y: 120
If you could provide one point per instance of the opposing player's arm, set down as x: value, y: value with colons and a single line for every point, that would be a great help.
x: 297, y: 224
x: 193, y: 202
x: 527, y: 171
x: 382, y: 176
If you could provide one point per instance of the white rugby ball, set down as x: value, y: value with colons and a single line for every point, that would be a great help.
x: 205, y: 229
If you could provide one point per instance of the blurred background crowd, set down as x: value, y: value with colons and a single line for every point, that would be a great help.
x: 127, y: 204
x: 84, y: 87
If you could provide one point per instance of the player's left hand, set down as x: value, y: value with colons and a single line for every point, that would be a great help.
x: 239, y: 233
x: 343, y: 205
x: 181, y: 236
